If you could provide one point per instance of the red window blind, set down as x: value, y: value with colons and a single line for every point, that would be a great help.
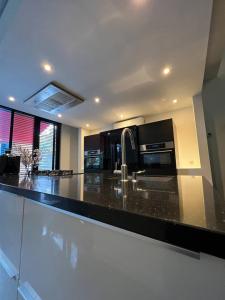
x: 5, y: 123
x: 23, y: 133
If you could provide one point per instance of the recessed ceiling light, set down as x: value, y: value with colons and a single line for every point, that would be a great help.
x: 87, y: 125
x: 121, y: 116
x: 11, y: 98
x: 166, y: 70
x: 59, y: 116
x: 97, y: 99
x: 47, y: 68
x: 174, y: 100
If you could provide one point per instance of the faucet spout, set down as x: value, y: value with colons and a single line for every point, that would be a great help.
x: 124, y: 173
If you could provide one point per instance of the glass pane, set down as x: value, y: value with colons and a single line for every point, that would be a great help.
x: 46, y: 141
x: 5, y: 122
x: 157, y: 159
x: 23, y: 131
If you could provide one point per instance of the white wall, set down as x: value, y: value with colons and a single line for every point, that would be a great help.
x: 213, y: 95
x: 192, y: 199
x: 106, y: 128
x: 186, y: 143
x: 81, y: 134
x: 72, y: 148
x: 135, y: 121
x: 69, y: 148
x: 202, y: 137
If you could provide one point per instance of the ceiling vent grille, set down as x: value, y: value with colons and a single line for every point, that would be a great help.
x: 54, y: 98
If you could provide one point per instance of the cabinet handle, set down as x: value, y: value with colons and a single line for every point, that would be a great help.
x: 26, y: 291
x: 153, y: 152
x: 8, y: 266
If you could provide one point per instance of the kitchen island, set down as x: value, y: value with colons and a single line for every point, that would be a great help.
x: 94, y: 234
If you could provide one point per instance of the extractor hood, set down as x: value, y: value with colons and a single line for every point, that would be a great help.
x: 54, y: 98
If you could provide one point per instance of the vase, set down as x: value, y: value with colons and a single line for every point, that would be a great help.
x: 27, y: 170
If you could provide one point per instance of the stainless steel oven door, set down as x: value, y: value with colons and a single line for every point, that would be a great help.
x: 160, y: 162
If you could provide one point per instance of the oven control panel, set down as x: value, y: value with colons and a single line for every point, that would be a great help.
x: 157, y: 146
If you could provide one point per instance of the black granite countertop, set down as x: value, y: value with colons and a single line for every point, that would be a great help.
x: 184, y: 211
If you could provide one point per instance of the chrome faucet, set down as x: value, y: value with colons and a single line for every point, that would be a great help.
x: 124, y: 173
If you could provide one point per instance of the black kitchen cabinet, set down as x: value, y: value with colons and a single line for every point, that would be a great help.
x: 92, y: 142
x: 156, y: 132
x: 112, y: 150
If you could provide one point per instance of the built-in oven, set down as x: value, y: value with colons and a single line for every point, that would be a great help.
x: 92, y: 160
x: 158, y: 158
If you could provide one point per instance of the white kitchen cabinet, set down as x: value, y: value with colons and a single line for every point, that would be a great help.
x: 11, y: 214
x: 67, y: 257
x: 8, y: 285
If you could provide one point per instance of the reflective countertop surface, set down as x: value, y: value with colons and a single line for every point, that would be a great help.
x: 184, y: 211
x: 189, y: 200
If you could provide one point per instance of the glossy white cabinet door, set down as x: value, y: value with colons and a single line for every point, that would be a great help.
x: 11, y: 214
x: 65, y: 257
x: 8, y: 286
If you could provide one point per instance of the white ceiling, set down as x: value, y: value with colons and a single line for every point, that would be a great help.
x: 114, y: 49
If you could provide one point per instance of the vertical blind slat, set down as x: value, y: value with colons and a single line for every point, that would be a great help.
x: 46, y: 145
x: 23, y: 134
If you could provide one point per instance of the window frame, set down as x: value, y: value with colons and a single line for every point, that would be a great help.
x: 54, y: 141
x: 36, y: 133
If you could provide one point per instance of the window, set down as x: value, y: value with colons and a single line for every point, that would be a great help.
x: 5, y: 124
x: 18, y: 129
x: 23, y: 134
x: 46, y: 145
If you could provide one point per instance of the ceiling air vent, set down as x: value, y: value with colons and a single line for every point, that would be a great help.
x: 54, y: 98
